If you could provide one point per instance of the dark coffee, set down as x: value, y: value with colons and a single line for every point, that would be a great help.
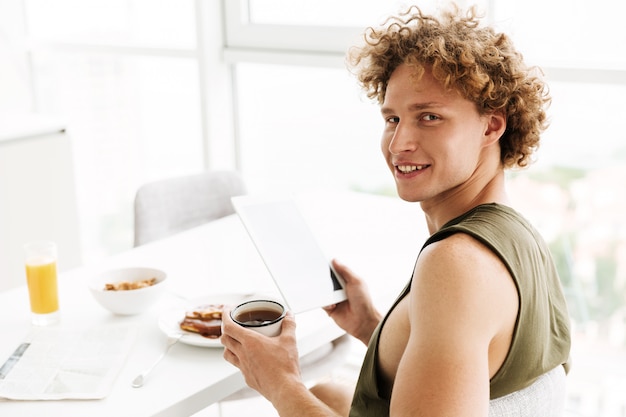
x: 257, y: 317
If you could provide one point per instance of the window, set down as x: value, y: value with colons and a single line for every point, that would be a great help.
x: 124, y: 76
x: 162, y: 23
x: 579, y: 34
x: 302, y: 127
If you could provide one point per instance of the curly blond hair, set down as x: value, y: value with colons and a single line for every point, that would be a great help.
x: 482, y: 65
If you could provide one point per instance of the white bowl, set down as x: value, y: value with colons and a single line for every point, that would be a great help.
x: 127, y: 302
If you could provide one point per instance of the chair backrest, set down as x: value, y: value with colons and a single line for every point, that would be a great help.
x: 172, y: 205
x: 543, y: 398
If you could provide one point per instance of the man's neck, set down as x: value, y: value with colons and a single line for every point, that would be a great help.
x: 464, y: 199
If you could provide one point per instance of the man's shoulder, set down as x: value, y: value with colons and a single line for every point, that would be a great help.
x: 461, y: 250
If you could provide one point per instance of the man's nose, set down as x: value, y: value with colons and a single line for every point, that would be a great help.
x: 404, y: 139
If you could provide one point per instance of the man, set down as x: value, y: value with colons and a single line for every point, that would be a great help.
x: 483, y: 315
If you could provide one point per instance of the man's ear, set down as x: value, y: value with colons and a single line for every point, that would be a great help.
x: 496, y: 125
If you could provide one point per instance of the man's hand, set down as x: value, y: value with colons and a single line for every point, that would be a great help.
x: 267, y: 363
x: 270, y: 366
x: 356, y: 315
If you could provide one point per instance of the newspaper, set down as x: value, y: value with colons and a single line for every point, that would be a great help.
x: 54, y: 363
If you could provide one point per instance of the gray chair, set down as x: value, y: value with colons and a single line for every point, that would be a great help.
x: 172, y: 205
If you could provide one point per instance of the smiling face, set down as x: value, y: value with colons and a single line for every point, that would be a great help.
x: 435, y: 142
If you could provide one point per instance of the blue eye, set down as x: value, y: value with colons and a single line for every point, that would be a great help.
x: 430, y: 117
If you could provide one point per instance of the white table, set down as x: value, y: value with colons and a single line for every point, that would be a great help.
x: 378, y: 237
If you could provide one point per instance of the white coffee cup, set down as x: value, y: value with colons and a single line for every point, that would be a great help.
x: 263, y: 316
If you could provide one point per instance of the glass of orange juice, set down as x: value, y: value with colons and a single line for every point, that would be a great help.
x: 41, y: 277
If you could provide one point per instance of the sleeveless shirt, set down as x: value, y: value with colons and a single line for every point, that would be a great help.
x: 541, y: 339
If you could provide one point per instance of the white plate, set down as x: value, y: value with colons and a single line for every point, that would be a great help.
x: 169, y: 321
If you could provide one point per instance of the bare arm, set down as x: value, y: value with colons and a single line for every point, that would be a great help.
x: 462, y: 303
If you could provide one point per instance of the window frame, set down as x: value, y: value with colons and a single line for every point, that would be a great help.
x: 317, y: 45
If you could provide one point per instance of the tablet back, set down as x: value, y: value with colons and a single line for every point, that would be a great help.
x: 290, y: 251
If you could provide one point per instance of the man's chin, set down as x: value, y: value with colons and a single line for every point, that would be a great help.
x: 408, y: 197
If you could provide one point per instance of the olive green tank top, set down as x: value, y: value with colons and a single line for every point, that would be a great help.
x: 541, y: 340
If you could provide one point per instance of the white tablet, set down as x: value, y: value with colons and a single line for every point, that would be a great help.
x: 290, y: 251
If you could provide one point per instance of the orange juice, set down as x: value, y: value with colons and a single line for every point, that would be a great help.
x: 41, y: 277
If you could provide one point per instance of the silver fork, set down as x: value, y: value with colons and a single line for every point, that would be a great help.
x: 139, y: 379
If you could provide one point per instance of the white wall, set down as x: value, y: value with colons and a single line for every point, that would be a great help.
x: 37, y: 193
